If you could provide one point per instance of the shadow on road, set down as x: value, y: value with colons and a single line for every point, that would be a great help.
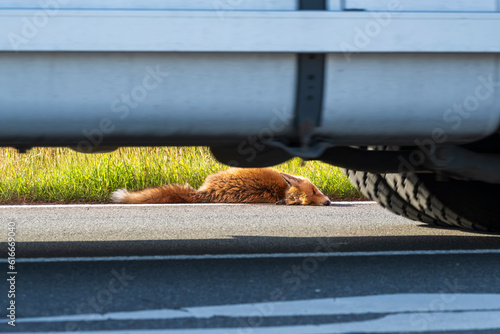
x: 254, y: 244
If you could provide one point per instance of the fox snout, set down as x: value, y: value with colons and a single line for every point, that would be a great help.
x: 325, y: 201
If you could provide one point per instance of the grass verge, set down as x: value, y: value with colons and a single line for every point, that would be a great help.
x: 59, y: 175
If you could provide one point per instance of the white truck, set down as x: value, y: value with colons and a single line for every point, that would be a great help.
x: 403, y: 94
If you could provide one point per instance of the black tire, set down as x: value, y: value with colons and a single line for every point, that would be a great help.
x: 376, y: 188
x: 465, y: 204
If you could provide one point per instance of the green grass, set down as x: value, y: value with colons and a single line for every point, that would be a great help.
x: 58, y: 175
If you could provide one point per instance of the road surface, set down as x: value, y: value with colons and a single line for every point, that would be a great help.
x: 348, y: 268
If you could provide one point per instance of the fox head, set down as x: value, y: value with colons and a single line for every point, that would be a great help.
x: 302, y: 192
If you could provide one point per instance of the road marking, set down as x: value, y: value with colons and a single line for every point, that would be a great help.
x: 399, y: 313
x: 26, y: 206
x: 400, y: 323
x: 254, y: 256
x: 375, y: 304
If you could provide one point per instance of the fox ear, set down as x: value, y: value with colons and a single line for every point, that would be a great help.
x: 290, y: 179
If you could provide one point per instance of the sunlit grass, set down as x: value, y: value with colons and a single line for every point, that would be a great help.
x: 62, y: 175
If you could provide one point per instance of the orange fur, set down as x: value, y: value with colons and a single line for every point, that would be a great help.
x: 234, y: 185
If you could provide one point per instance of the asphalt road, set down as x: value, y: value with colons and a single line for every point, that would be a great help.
x: 349, y: 268
x: 113, y: 230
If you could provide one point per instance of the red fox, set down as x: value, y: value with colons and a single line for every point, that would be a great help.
x: 234, y: 185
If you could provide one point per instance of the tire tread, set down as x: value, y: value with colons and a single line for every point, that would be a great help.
x: 377, y: 188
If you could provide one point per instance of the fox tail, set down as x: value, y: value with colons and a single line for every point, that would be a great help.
x: 165, y: 194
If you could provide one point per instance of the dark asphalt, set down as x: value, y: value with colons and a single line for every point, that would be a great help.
x: 48, y: 289
x: 113, y: 230
x: 401, y: 290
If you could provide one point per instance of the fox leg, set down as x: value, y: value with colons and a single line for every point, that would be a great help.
x: 281, y: 202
